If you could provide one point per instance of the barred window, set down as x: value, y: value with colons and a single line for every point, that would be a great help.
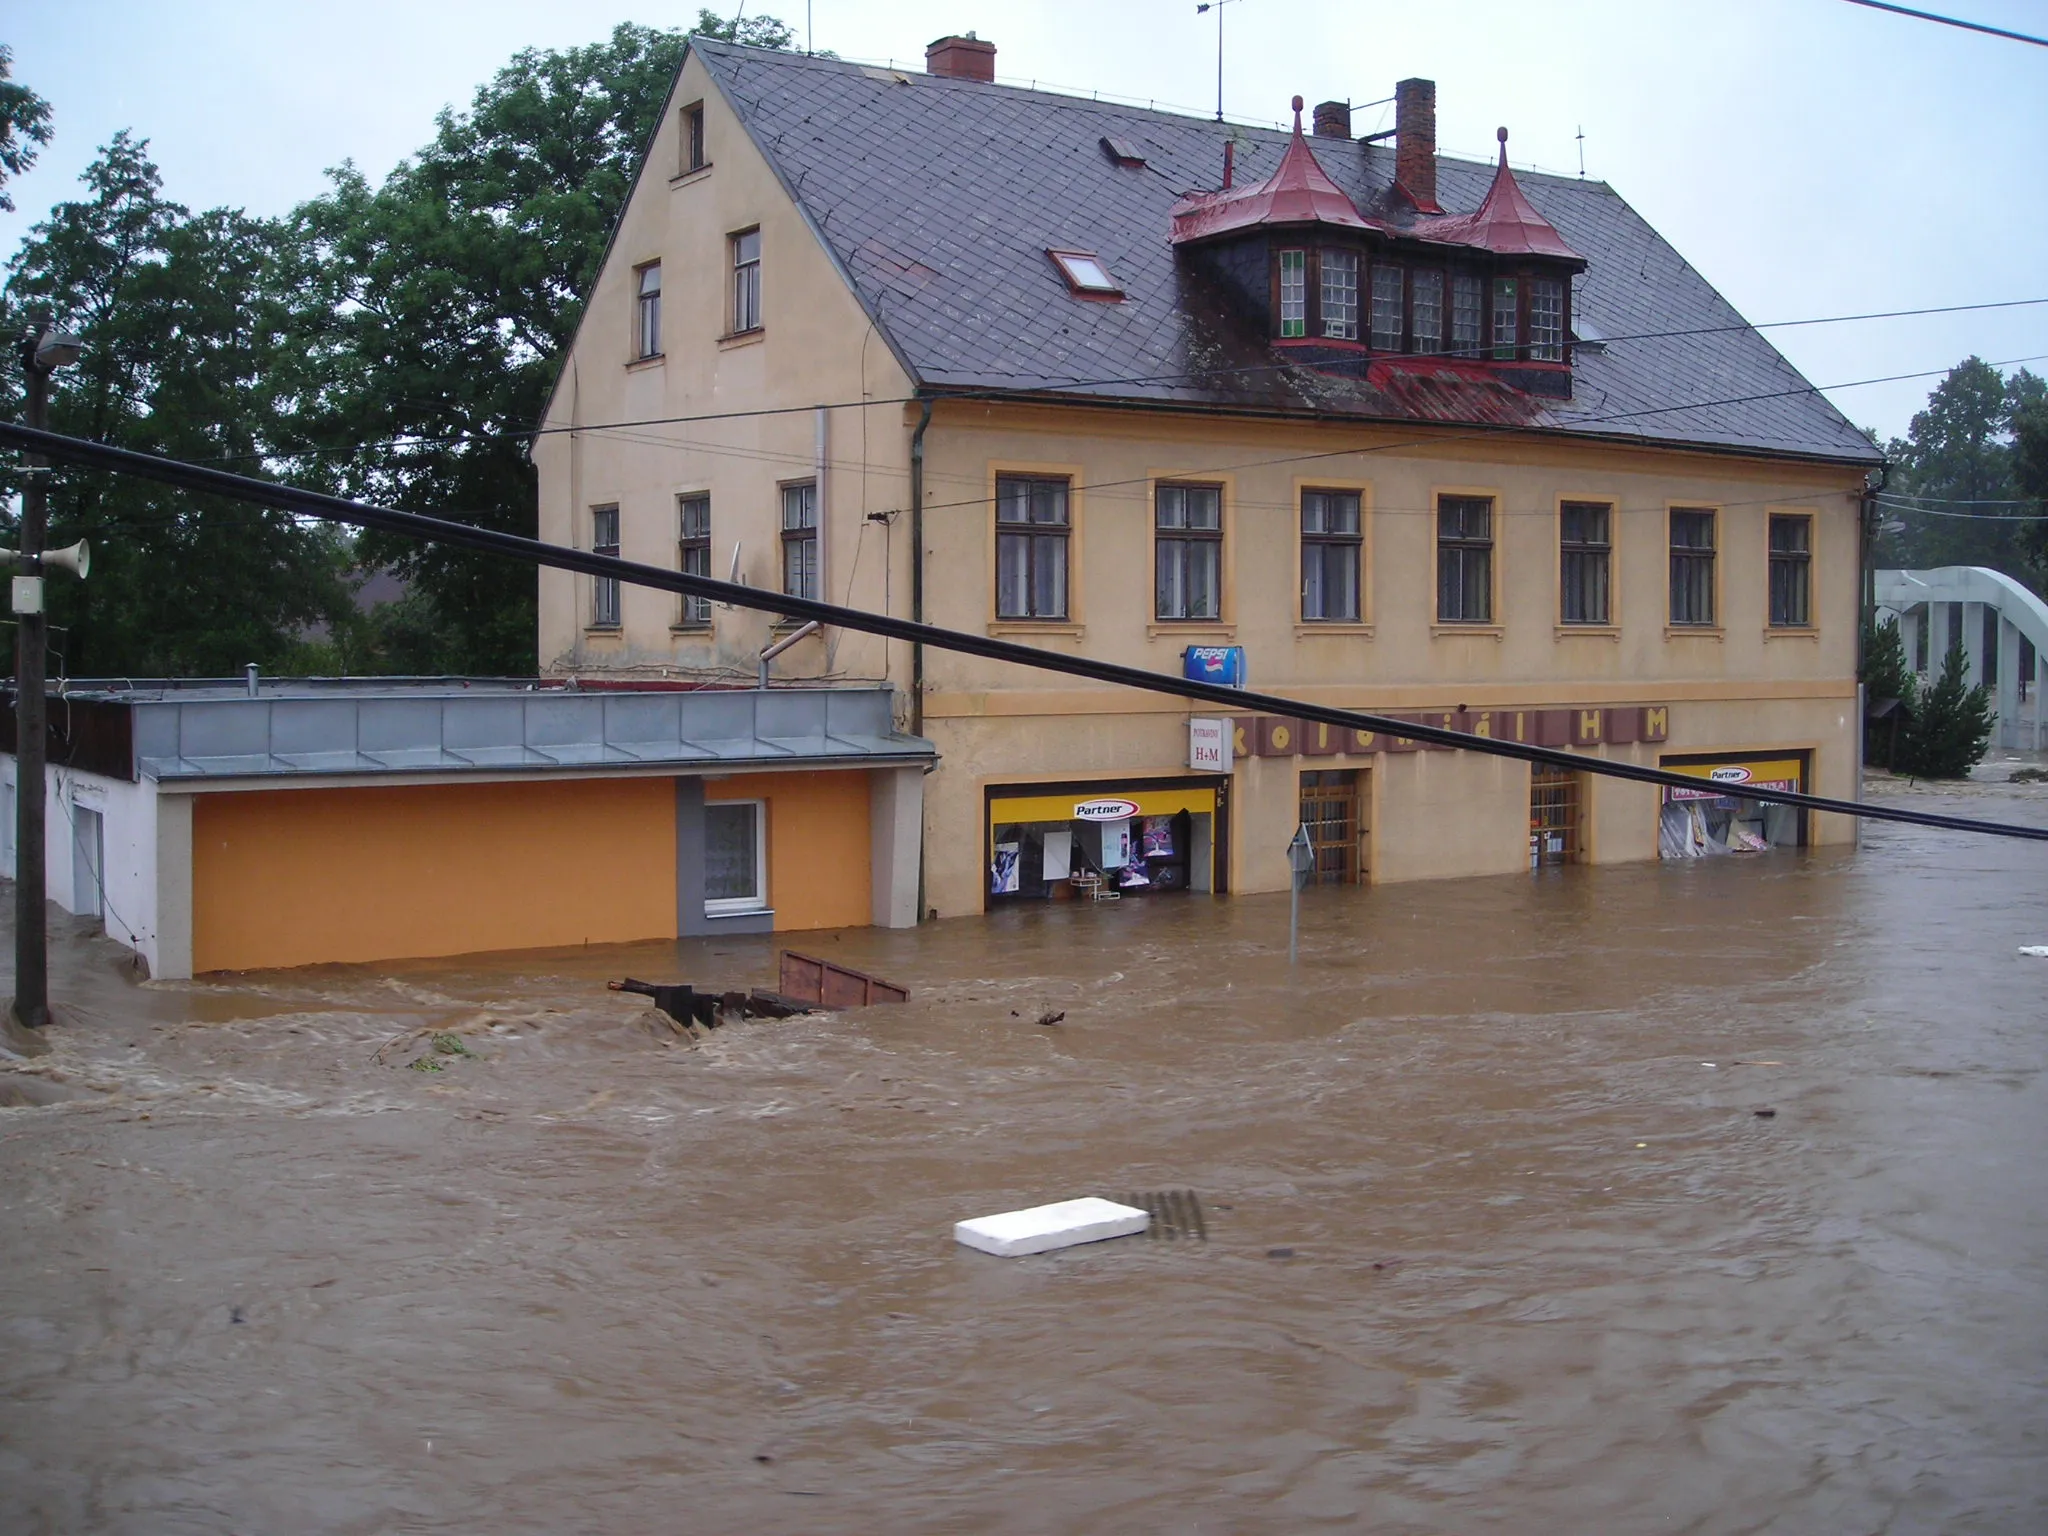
x: 1340, y: 294
x: 1692, y: 565
x: 1585, y: 562
x: 1426, y: 305
x: 1188, y: 551
x: 1331, y: 547
x: 1468, y: 313
x: 1031, y: 548
x: 1507, y: 319
x: 1294, y: 293
x: 1464, y: 560
x: 1791, y: 572
x: 693, y: 549
x: 1387, y: 328
x: 1546, y: 320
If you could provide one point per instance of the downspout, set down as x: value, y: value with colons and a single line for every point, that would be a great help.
x: 1866, y: 561
x: 924, y: 420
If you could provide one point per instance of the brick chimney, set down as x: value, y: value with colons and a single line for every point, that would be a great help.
x: 1333, y: 119
x: 1415, y: 141
x: 961, y: 58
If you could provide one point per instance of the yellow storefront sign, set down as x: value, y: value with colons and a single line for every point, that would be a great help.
x: 1073, y: 806
x: 1731, y: 777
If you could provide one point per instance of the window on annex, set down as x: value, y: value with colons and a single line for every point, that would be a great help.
x: 800, y: 539
x: 1585, y: 542
x: 1188, y: 551
x: 693, y: 551
x: 693, y: 138
x: 1507, y: 317
x: 1692, y: 565
x: 1294, y: 293
x: 1546, y: 320
x: 1340, y: 294
x: 1387, y: 328
x: 1426, y: 306
x: 1332, y: 549
x: 1032, y: 527
x: 604, y: 590
x: 1792, y: 571
x: 1468, y: 313
x: 647, y: 312
x: 735, y: 857
x: 1464, y: 560
x: 746, y: 281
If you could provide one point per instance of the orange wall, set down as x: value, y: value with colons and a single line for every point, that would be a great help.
x: 300, y: 877
x: 818, y: 867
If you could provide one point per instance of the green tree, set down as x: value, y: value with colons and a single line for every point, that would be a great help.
x: 754, y: 31
x: 1950, y: 726
x: 24, y: 126
x: 1953, y: 484
x: 433, y: 312
x: 2030, y: 469
x: 1886, y: 679
x: 175, y: 313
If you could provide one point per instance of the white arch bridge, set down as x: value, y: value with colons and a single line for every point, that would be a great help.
x: 2004, y: 630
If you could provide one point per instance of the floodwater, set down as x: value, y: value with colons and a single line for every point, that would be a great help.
x: 1498, y: 1240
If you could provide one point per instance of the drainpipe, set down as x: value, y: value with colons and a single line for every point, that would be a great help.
x: 924, y: 420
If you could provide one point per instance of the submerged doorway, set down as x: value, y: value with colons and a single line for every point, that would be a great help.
x: 1557, y: 806
x: 1330, y: 802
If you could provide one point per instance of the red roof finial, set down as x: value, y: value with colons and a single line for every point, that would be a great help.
x: 1297, y: 114
x: 1502, y: 135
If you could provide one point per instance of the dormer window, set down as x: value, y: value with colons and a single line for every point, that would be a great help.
x: 1426, y: 309
x: 1340, y: 294
x: 1293, y: 293
x: 1087, y: 277
x: 1386, y: 307
x: 1506, y: 318
x: 1468, y: 311
x: 1546, y: 320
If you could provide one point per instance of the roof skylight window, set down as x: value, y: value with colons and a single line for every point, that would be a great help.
x: 1086, y: 276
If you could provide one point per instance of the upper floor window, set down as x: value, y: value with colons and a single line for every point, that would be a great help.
x: 1692, y: 565
x: 1426, y: 309
x: 1331, y: 546
x: 1791, y: 571
x: 1188, y: 551
x: 800, y: 539
x: 1546, y: 320
x: 1468, y: 313
x: 1386, y: 307
x: 604, y: 590
x: 1506, y: 317
x: 693, y: 550
x: 1464, y: 560
x: 1294, y: 293
x: 1340, y: 294
x: 1031, y: 547
x: 693, y: 138
x: 647, y: 312
x: 746, y: 281
x: 1585, y: 562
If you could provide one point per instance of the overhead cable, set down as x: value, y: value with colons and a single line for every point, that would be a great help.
x: 199, y: 478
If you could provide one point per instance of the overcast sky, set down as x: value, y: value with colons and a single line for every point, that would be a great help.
x: 1811, y: 157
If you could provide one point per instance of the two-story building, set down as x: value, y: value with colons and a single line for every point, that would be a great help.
x: 1386, y: 429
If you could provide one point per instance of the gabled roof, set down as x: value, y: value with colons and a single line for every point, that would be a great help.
x: 939, y: 198
x: 1298, y: 192
x: 1507, y: 223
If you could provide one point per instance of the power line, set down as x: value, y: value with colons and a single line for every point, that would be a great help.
x: 1952, y: 21
x: 196, y: 477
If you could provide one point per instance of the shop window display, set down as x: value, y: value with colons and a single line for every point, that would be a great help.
x: 1718, y: 819
x: 1131, y: 855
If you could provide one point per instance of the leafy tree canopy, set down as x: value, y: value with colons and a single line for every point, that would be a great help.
x: 754, y: 31
x: 24, y: 126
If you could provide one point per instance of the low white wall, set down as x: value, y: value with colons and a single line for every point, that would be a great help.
x: 128, y: 877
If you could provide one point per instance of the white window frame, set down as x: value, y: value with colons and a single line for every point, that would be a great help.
x: 727, y: 906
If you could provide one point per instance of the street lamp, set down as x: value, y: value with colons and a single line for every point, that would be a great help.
x: 43, y: 351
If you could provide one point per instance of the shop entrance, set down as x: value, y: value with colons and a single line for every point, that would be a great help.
x: 1717, y: 818
x: 1105, y: 842
x: 1330, y: 801
x: 1557, y: 815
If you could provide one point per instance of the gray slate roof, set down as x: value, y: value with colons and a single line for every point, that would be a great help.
x: 939, y: 198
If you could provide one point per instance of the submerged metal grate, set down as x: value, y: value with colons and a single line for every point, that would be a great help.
x: 1175, y: 1213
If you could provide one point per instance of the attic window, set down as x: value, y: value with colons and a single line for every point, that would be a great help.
x: 1123, y: 152
x: 1086, y: 276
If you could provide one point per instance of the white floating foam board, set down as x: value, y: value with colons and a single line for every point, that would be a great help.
x: 2038, y: 951
x: 1009, y: 1234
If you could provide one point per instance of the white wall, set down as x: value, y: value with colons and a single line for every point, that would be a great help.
x: 129, y: 904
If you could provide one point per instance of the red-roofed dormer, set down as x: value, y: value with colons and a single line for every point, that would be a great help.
x: 1506, y: 223
x: 1298, y: 192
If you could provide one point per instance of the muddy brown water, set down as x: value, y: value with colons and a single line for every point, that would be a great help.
x: 1550, y: 1270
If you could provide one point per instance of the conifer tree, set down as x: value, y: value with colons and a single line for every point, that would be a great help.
x: 1950, y: 727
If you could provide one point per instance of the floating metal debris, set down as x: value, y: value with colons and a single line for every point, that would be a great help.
x: 1175, y: 1213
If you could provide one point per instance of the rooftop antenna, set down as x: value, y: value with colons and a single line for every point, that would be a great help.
x: 1582, y: 151
x: 1217, y: 7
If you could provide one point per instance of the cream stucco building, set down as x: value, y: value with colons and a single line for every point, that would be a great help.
x: 1385, y: 429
